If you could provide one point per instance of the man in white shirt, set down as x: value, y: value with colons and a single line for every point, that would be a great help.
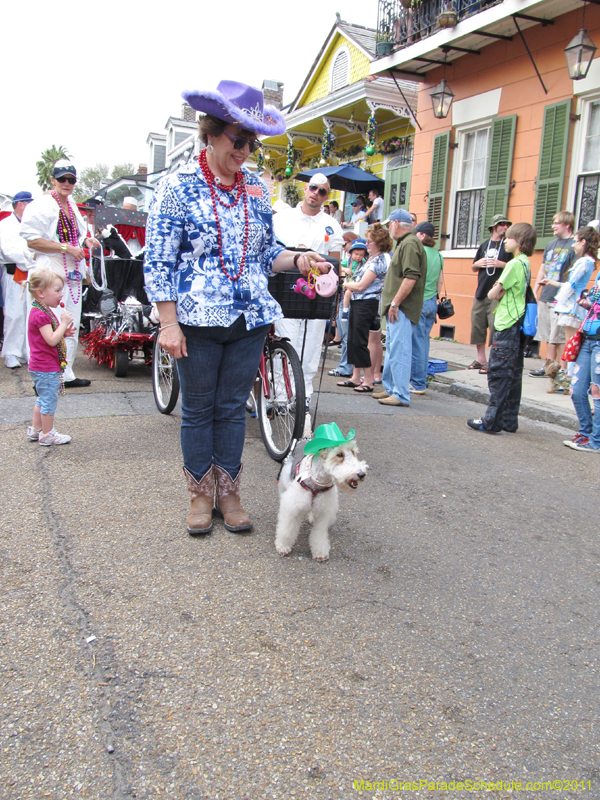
x: 15, y: 254
x: 307, y: 226
x: 375, y: 211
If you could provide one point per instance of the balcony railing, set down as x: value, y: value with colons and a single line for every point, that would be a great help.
x: 403, y: 26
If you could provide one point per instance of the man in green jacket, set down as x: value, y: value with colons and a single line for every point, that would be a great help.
x: 402, y: 303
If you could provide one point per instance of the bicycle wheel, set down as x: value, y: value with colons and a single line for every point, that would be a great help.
x: 165, y: 379
x: 281, y: 399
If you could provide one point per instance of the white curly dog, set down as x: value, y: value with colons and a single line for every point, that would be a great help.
x: 308, y: 487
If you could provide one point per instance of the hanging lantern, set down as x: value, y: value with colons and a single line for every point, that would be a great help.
x: 328, y: 141
x: 441, y: 99
x: 579, y: 52
x: 371, y: 134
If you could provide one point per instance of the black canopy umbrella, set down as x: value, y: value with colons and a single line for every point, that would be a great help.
x: 346, y: 178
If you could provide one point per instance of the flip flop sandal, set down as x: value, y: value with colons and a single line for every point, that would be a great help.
x: 363, y: 389
x: 483, y: 371
x: 348, y: 384
x: 476, y: 365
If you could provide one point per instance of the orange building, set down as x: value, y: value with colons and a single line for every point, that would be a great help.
x: 521, y: 137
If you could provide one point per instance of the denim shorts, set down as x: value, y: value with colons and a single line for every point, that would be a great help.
x: 47, y: 386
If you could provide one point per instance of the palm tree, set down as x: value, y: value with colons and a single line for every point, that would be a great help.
x: 46, y: 165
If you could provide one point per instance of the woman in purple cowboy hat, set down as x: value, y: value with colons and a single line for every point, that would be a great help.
x: 210, y: 249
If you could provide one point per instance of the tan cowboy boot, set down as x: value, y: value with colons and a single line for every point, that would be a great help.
x: 228, y: 502
x: 202, y: 495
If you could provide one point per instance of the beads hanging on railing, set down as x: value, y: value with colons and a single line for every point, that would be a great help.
x: 289, y: 164
x: 328, y: 140
x: 371, y: 134
x: 260, y: 161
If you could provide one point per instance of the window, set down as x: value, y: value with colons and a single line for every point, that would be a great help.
x: 470, y: 197
x: 160, y: 155
x: 181, y: 136
x: 340, y: 69
x: 587, y: 204
x: 480, y: 181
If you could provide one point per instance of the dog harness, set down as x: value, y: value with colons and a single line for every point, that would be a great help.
x: 305, y: 479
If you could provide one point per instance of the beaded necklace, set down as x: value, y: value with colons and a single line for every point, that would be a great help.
x: 61, y: 347
x: 240, y: 186
x: 67, y: 232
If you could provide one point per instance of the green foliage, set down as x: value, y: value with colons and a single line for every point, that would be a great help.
x: 291, y: 194
x: 45, y: 166
x: 351, y: 152
x: 120, y: 170
x: 90, y: 181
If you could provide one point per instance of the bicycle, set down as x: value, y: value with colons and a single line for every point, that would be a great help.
x: 165, y: 378
x: 278, y: 397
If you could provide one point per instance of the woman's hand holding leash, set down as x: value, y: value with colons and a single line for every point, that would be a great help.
x: 309, y: 260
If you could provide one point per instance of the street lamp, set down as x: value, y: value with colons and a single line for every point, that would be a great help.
x: 579, y: 53
x: 441, y: 99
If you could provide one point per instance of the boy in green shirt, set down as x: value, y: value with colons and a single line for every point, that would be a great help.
x: 505, y: 366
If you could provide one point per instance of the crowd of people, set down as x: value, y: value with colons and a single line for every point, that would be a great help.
x: 212, y: 242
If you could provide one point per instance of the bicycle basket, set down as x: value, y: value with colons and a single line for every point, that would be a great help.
x: 298, y: 306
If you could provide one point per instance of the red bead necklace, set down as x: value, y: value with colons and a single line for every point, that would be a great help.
x: 240, y: 185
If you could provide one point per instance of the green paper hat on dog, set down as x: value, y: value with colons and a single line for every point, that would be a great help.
x: 328, y: 435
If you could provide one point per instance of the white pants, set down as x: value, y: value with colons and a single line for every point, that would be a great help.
x: 71, y: 341
x: 15, y: 317
x: 293, y: 329
x: 55, y: 263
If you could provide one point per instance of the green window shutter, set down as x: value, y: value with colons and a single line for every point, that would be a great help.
x: 499, y: 165
x: 551, y: 169
x: 437, y: 185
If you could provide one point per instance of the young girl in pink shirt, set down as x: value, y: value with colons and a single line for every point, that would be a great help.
x: 47, y: 353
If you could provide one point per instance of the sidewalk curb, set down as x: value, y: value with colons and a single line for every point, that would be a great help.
x: 527, y: 409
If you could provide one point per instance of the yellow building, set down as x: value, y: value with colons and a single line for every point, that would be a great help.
x: 338, y: 95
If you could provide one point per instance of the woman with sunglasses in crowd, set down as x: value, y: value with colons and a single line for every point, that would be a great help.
x: 210, y: 250
x: 55, y: 230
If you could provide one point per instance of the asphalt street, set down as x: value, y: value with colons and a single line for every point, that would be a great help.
x: 451, y: 637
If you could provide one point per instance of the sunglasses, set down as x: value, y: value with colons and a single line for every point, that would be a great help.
x: 66, y: 179
x: 312, y: 187
x: 239, y: 142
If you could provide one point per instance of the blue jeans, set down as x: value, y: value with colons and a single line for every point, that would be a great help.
x: 587, y: 370
x: 398, y: 359
x: 420, y: 345
x: 47, y: 386
x: 216, y: 377
x: 345, y: 368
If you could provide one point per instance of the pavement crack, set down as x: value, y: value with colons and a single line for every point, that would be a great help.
x: 68, y: 597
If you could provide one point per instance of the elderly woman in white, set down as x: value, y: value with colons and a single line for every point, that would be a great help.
x: 54, y: 228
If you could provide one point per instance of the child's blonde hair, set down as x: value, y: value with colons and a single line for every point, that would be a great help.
x: 41, y: 278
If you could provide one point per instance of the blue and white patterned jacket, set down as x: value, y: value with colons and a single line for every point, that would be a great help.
x: 182, y: 252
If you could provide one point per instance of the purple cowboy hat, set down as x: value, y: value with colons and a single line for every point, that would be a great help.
x: 238, y: 104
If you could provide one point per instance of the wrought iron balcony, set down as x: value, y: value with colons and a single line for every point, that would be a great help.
x: 404, y: 22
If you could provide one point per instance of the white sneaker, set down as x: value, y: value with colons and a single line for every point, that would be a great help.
x: 53, y: 437
x: 33, y: 434
x: 12, y: 362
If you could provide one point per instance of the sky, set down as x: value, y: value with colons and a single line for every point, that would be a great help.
x: 96, y: 78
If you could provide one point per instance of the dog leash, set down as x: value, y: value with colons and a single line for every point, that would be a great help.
x: 334, y: 305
